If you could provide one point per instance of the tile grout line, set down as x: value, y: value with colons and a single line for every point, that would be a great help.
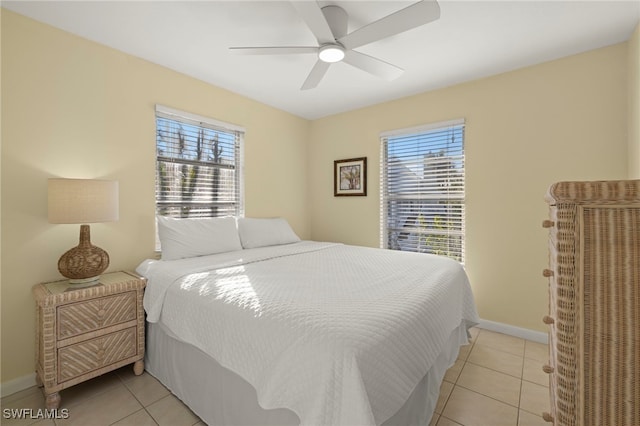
x: 444, y: 406
x: 139, y: 402
x: 521, y: 380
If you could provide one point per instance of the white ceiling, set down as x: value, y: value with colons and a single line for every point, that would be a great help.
x: 472, y: 39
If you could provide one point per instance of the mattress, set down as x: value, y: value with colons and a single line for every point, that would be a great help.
x: 336, y: 334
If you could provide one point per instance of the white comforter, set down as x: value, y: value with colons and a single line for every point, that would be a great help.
x: 339, y: 334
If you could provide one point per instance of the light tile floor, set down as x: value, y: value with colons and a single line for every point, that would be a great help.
x: 497, y: 380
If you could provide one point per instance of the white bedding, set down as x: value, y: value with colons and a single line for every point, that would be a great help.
x: 338, y: 334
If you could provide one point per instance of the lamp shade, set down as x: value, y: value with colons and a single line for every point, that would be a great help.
x: 82, y: 200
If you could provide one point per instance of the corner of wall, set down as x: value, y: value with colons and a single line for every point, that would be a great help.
x: 633, y: 75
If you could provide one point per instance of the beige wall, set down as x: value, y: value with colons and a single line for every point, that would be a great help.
x: 634, y: 103
x: 73, y: 108
x: 561, y: 120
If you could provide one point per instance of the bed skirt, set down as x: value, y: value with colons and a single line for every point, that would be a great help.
x: 220, y: 397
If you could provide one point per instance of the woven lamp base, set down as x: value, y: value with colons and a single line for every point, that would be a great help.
x: 84, y: 263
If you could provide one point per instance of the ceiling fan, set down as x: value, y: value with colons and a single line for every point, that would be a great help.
x: 329, y: 25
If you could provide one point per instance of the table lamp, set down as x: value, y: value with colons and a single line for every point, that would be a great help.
x: 83, y: 201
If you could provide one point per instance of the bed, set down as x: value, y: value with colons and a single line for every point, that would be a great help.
x: 247, y: 324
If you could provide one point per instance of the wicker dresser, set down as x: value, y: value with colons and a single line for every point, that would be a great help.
x: 83, y: 333
x: 594, y: 303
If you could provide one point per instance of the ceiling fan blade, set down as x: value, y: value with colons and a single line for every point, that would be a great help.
x: 312, y: 14
x: 274, y: 50
x: 372, y: 65
x: 403, y: 20
x: 317, y: 72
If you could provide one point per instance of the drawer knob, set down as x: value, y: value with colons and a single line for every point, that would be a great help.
x: 547, y: 417
x: 101, y: 313
x: 547, y: 273
x: 548, y: 223
x: 548, y: 320
x: 548, y: 369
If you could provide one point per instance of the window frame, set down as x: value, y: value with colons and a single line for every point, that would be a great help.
x: 196, y: 123
x: 454, y: 192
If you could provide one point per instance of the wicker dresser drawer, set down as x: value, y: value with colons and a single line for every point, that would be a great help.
x: 82, y: 317
x: 76, y: 360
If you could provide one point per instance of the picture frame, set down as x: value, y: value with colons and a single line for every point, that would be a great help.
x: 350, y: 177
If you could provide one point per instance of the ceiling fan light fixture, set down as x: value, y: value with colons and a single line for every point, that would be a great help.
x: 331, y: 53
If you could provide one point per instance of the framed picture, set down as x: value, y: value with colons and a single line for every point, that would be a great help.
x: 350, y: 177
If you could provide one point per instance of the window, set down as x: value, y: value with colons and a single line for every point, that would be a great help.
x: 198, y: 166
x: 422, y: 189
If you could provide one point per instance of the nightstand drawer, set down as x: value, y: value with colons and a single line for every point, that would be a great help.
x: 82, y: 317
x: 80, y: 358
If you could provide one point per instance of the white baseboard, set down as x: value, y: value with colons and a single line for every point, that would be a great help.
x: 16, y: 385
x: 525, y: 333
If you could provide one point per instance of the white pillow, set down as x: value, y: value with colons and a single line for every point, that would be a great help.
x: 265, y: 232
x: 190, y: 237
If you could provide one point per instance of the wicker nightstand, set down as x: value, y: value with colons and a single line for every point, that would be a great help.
x: 83, y: 333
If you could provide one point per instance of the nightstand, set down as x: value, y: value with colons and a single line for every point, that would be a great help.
x: 85, y: 332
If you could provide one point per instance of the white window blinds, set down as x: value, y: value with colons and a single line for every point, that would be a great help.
x: 198, y: 167
x: 422, y: 199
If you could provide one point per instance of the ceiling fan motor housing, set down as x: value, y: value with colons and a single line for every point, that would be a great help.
x: 331, y: 53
